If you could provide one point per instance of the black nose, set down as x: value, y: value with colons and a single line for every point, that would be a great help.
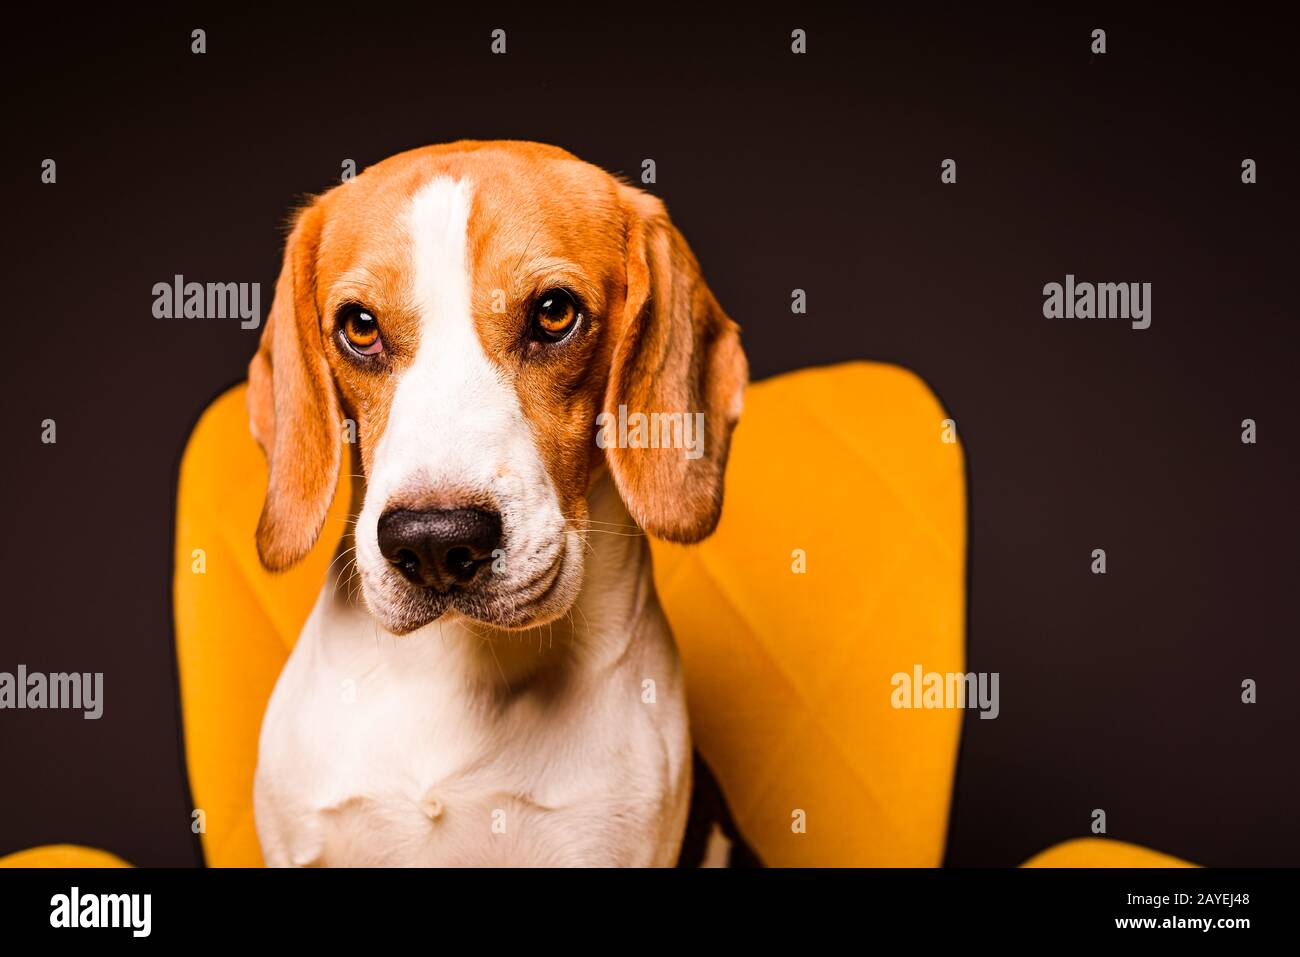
x: 440, y: 548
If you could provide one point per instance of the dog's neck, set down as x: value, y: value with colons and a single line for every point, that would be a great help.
x: 617, y: 584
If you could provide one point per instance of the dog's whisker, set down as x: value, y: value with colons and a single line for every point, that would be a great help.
x: 492, y: 650
x: 586, y: 544
x: 338, y: 556
x: 348, y: 572
x: 594, y: 521
x: 527, y: 246
x: 576, y: 606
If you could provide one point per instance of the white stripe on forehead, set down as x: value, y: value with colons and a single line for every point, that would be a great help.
x: 455, y: 417
x: 438, y: 224
x: 449, y: 385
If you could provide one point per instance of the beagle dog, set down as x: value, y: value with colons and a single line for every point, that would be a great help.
x: 487, y: 677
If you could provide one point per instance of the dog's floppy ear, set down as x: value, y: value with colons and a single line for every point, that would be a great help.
x: 293, y: 408
x: 677, y: 352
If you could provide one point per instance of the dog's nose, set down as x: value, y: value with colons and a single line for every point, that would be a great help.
x: 440, y: 548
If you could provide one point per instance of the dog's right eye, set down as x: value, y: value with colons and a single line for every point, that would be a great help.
x: 555, y: 315
x: 360, y: 330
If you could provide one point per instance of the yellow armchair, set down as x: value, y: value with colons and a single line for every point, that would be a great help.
x: 791, y: 619
x: 839, y: 562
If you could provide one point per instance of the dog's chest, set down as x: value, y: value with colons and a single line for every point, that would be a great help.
x: 363, y: 763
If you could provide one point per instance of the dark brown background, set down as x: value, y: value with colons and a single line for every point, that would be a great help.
x: 819, y: 172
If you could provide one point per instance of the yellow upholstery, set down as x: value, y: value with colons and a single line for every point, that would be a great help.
x: 788, y: 674
x: 235, y: 622
x: 1101, y: 852
x: 840, y: 471
x: 62, y: 855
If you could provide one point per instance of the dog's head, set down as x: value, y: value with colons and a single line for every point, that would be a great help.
x: 469, y: 314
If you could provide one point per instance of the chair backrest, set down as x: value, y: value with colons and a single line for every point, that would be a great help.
x: 839, y: 563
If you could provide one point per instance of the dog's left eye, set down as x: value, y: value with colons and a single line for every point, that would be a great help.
x: 361, y: 331
x: 555, y: 314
